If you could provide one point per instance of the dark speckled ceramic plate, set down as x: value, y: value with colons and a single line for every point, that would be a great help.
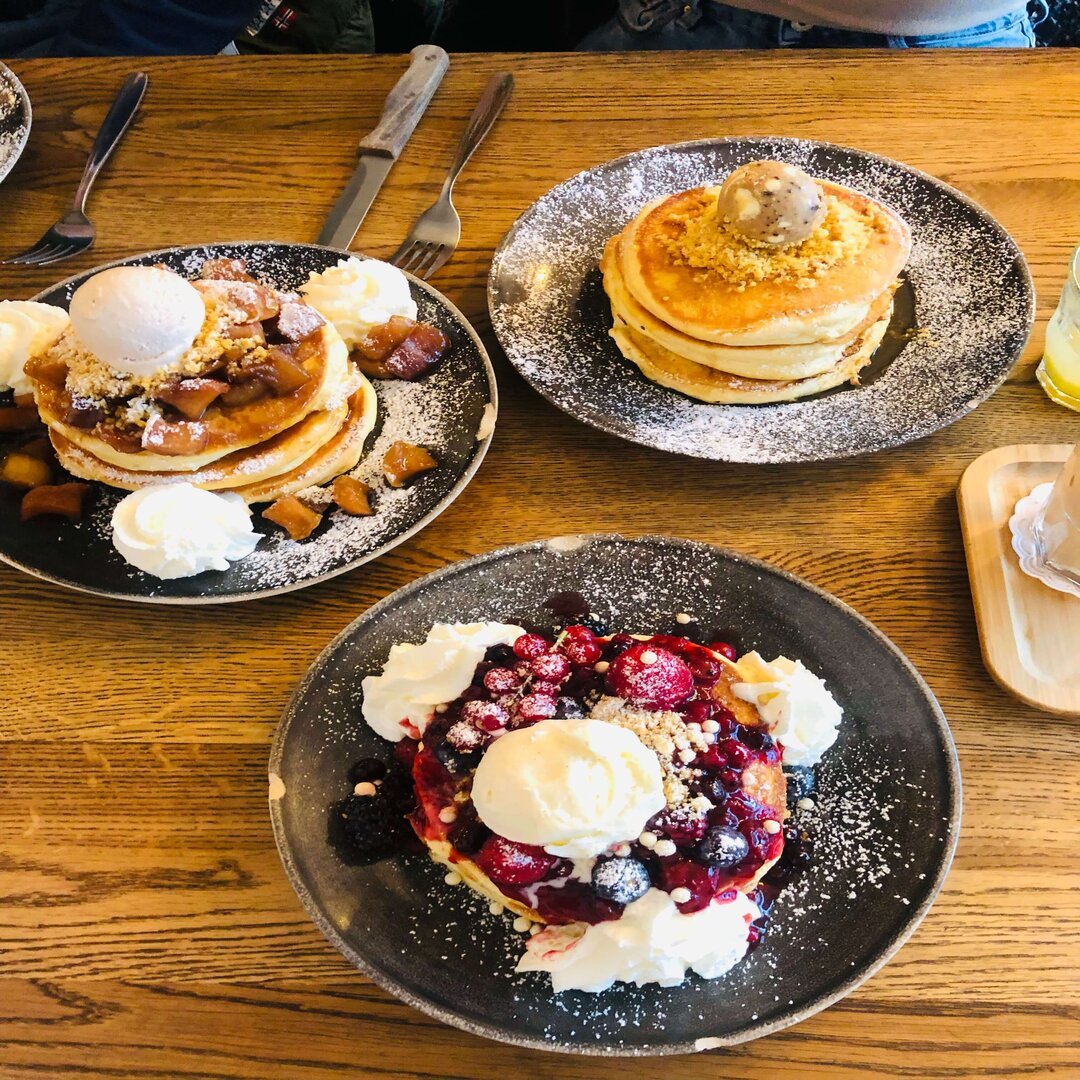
x: 15, y: 117
x: 443, y: 411
x: 961, y: 319
x: 886, y: 818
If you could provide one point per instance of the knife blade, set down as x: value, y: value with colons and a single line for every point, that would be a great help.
x: 405, y: 104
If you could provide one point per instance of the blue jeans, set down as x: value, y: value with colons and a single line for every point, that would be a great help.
x: 706, y: 24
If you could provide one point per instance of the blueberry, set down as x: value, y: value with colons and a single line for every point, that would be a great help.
x: 454, y: 761
x: 469, y: 832
x: 723, y: 847
x: 620, y: 879
x: 800, y: 783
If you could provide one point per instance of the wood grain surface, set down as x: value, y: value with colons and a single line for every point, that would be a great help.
x: 146, y: 926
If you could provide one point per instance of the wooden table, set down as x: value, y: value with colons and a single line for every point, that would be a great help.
x: 146, y: 925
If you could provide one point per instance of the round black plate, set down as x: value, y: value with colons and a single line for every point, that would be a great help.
x: 15, y: 116
x: 442, y: 411
x: 961, y: 319
x: 886, y: 823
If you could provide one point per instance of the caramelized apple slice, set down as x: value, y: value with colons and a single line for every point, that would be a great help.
x: 18, y: 418
x: 298, y: 520
x: 24, y: 471
x: 80, y: 413
x: 40, y: 448
x: 126, y: 440
x: 174, y: 438
x: 52, y: 373
x: 24, y: 401
x: 225, y: 270
x: 66, y: 500
x: 418, y: 353
x: 254, y: 301
x: 297, y: 321
x: 403, y: 461
x: 381, y: 341
x: 192, y: 397
x: 352, y: 496
x: 247, y: 331
x: 244, y: 393
x: 279, y: 369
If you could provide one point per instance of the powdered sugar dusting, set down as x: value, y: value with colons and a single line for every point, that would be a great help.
x: 14, y: 119
x: 879, y: 817
x: 973, y: 305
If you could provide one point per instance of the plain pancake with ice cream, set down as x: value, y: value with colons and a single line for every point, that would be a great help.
x: 706, y: 306
x: 662, y: 366
x: 781, y: 362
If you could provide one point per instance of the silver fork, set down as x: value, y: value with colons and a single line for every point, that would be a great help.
x: 74, y: 232
x: 436, y: 232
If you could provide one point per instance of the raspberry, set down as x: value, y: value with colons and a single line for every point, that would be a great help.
x: 650, y: 677
x: 507, y: 863
x: 724, y: 649
x: 699, y: 880
x: 530, y: 646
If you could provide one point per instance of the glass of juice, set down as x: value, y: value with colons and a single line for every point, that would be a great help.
x: 1059, y: 370
x: 1057, y: 528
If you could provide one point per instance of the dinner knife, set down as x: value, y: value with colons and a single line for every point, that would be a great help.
x: 404, y: 106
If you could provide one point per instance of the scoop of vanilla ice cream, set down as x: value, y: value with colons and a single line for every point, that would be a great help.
x: 574, y: 787
x: 797, y: 708
x: 179, y: 530
x: 416, y: 678
x: 137, y: 319
x: 357, y: 295
x: 652, y: 942
x: 27, y: 329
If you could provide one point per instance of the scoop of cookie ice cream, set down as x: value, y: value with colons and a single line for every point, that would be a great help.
x: 771, y: 202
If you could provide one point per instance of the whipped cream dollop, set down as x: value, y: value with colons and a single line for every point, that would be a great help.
x: 573, y: 787
x: 795, y: 704
x: 653, y: 942
x: 137, y: 319
x: 178, y: 530
x: 416, y: 678
x: 27, y: 329
x: 357, y: 295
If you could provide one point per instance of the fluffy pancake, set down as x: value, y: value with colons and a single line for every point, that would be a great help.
x: 707, y: 384
x: 782, y: 362
x: 706, y: 307
x: 326, y: 359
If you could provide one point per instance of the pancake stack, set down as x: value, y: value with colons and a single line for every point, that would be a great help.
x: 266, y: 401
x: 703, y: 308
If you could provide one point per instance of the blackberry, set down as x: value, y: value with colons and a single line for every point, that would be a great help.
x: 367, y: 770
x: 620, y: 879
x: 372, y: 825
x: 469, y: 832
x: 566, y: 708
x: 455, y: 762
x: 723, y: 847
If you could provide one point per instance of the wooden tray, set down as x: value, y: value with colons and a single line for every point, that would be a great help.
x: 1030, y: 634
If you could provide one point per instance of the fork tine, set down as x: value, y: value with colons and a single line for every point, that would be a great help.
x: 441, y: 260
x: 404, y: 254
x: 38, y: 253
x: 30, y: 254
x: 432, y: 254
x: 419, y: 254
x: 63, y: 252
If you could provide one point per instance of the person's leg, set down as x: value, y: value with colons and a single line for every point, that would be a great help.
x: 1013, y: 31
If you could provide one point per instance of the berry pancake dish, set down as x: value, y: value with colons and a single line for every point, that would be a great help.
x: 622, y: 796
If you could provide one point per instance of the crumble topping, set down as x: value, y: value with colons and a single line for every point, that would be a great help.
x: 673, y: 742
x: 704, y: 241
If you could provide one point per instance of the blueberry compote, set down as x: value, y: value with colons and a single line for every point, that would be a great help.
x: 726, y: 791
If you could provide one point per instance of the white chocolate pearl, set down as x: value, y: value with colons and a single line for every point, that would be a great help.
x: 682, y: 618
x: 680, y: 895
x: 711, y: 726
x: 448, y: 815
x: 805, y: 804
x: 441, y: 708
x: 648, y: 657
x: 687, y: 755
x: 522, y: 925
x: 664, y: 847
x: 771, y: 827
x: 496, y: 908
x: 601, y: 666
x: 452, y: 878
x: 364, y: 788
x: 647, y: 840
x: 621, y: 850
